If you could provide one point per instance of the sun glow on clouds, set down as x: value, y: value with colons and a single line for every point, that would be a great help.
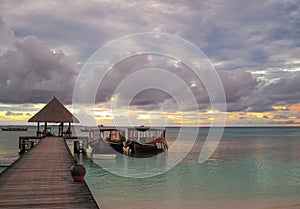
x: 282, y: 115
x: 295, y: 108
x: 155, y: 118
x: 140, y: 117
x: 18, y: 116
x: 103, y: 114
x: 9, y: 114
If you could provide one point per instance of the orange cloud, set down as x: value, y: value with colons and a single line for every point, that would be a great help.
x: 295, y: 108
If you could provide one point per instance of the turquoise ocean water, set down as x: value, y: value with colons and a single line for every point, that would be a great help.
x: 251, y: 164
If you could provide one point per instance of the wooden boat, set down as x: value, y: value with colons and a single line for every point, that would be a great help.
x: 109, y: 138
x: 139, y: 141
x: 113, y: 136
x: 143, y: 140
x: 14, y: 128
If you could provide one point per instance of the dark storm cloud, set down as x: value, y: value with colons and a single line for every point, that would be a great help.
x: 153, y: 99
x: 237, y: 84
x: 118, y: 73
x: 282, y: 92
x: 31, y: 73
x: 149, y: 98
x: 286, y: 90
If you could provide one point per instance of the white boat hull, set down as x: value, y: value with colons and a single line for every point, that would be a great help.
x: 104, y: 156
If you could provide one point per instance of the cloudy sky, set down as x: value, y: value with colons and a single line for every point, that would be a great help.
x: 253, y: 45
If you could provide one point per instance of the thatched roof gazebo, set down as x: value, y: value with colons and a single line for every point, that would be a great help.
x: 54, y: 112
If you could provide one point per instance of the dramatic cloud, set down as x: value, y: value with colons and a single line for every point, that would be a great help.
x: 235, y: 33
x: 253, y: 44
x: 239, y: 34
x: 284, y: 91
x: 6, y: 36
x: 237, y: 84
x: 5, y: 31
x: 31, y: 73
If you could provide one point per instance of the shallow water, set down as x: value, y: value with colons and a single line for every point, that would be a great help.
x: 249, y: 164
x: 251, y: 167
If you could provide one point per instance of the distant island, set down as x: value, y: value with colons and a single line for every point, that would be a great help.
x: 14, y: 128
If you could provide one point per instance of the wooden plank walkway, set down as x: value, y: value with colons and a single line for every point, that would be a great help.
x: 41, y: 179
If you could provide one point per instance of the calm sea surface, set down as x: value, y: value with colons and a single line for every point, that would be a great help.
x: 260, y: 166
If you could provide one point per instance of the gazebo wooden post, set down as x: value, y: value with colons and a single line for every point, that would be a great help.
x: 38, y: 129
x: 62, y: 129
x: 45, y: 130
x: 69, y: 128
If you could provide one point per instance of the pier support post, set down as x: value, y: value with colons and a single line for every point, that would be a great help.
x: 38, y: 129
x: 76, y: 147
x: 22, y: 145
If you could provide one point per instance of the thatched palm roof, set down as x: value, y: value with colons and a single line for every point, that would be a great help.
x: 54, y: 112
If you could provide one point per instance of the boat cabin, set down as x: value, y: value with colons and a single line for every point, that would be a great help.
x: 111, y: 134
x: 145, y: 134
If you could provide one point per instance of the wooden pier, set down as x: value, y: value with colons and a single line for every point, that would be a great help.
x: 41, y: 178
